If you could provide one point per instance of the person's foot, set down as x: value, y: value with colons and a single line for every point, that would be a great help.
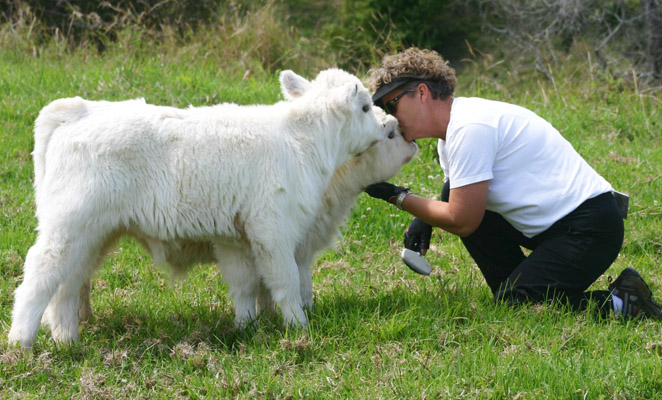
x: 637, y: 297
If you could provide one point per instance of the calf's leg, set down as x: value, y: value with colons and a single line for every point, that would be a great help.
x: 280, y: 274
x: 243, y: 281
x: 56, y: 263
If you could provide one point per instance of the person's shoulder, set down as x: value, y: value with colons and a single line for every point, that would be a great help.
x: 476, y: 108
x: 477, y: 105
x: 480, y: 102
x: 475, y: 111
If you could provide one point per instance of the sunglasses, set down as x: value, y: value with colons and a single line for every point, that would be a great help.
x: 391, y: 106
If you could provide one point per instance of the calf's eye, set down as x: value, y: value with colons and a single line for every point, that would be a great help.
x: 391, y: 135
x: 366, y: 108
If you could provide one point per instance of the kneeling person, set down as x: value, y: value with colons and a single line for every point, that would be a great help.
x: 511, y: 180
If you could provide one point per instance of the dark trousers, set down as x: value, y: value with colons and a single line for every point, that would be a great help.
x: 564, y: 260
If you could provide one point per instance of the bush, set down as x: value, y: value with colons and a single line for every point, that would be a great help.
x: 444, y: 26
x: 236, y: 37
x: 622, y: 35
x: 367, y: 29
x: 350, y: 34
x: 80, y: 16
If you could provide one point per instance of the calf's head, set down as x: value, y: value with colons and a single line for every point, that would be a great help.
x: 384, y: 159
x: 341, y: 103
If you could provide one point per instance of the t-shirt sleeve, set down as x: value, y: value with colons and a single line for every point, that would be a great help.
x: 471, y: 150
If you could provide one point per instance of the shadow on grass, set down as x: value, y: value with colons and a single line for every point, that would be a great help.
x: 396, y: 314
x: 155, y: 330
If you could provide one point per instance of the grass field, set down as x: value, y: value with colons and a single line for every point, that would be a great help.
x: 378, y: 331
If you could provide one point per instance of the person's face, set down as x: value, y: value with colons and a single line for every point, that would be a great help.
x: 403, y: 105
x: 391, y: 106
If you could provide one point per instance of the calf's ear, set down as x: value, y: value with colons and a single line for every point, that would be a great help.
x: 344, y: 96
x: 293, y: 85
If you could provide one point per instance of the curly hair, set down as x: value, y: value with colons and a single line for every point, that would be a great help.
x: 420, y: 65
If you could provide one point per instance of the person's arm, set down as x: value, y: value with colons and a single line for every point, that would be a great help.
x: 461, y: 215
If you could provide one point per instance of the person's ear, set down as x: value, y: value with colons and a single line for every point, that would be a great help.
x: 424, y: 91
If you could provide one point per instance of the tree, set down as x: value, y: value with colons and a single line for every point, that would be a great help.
x: 614, y: 30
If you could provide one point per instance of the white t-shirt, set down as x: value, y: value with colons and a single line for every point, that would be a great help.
x: 536, y: 176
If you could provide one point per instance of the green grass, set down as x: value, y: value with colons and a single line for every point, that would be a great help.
x: 378, y: 330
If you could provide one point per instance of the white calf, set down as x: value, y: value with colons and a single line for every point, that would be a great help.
x: 378, y: 163
x: 247, y: 179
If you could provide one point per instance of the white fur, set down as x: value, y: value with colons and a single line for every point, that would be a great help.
x: 378, y: 163
x: 247, y: 180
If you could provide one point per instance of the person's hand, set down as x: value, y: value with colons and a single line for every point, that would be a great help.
x: 385, y: 191
x: 417, y: 236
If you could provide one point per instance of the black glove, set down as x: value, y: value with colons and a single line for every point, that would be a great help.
x: 385, y: 191
x: 417, y: 236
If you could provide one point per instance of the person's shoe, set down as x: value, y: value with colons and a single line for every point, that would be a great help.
x: 636, y: 295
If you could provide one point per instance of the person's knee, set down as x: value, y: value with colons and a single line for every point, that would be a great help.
x: 511, y: 294
x: 511, y: 299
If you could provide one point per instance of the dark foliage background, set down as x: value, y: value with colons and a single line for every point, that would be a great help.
x: 363, y: 29
x: 620, y: 34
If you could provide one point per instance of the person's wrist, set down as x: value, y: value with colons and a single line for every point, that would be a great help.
x: 400, y: 198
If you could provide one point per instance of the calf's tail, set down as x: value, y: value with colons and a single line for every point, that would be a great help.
x: 57, y: 113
